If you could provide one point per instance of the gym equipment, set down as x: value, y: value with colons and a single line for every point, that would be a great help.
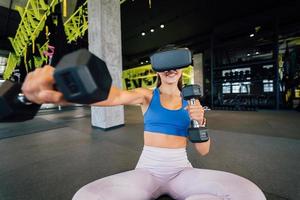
x: 227, y: 77
x: 197, y: 133
x: 81, y: 76
x: 241, y: 76
x: 247, y: 75
x: 176, y: 58
x: 14, y: 107
x: 231, y: 75
x: 236, y: 76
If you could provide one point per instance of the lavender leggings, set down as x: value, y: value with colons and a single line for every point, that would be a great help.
x: 168, y: 171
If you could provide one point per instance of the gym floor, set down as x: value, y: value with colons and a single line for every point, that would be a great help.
x: 58, y: 152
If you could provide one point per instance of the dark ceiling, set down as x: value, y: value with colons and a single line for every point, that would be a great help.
x: 187, y: 23
x: 192, y: 22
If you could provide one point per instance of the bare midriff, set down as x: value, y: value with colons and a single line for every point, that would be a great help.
x: 163, y: 140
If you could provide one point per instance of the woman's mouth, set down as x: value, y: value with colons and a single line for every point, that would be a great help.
x: 171, y: 73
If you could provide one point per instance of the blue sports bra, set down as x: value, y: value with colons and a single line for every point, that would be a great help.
x: 162, y: 120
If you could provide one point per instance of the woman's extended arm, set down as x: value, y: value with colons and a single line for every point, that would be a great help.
x: 39, y: 88
x: 123, y: 97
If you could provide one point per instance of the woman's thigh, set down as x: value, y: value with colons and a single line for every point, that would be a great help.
x: 135, y: 184
x: 198, y: 184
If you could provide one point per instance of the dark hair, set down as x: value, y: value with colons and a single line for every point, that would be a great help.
x: 179, y: 84
x: 167, y: 48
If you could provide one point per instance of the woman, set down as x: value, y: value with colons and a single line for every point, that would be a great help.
x: 163, y: 167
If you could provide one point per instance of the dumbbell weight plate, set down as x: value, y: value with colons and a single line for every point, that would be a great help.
x: 11, y: 108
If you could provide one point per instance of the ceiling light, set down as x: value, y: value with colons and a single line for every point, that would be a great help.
x: 143, y: 33
x: 152, y: 30
x: 142, y: 63
x: 162, y: 26
x: 252, y: 35
x: 248, y: 54
x: 257, y: 53
x: 146, y: 61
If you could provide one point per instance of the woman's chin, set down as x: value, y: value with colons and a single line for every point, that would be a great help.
x: 171, y: 81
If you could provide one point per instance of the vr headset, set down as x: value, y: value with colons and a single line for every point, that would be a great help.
x: 171, y: 59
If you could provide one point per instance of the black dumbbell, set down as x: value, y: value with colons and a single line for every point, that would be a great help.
x: 241, y: 76
x: 236, y: 76
x: 81, y: 76
x: 227, y: 77
x: 197, y: 133
x: 14, y: 107
x: 231, y: 77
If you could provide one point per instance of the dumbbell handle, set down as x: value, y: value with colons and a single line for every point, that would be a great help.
x: 21, y: 98
x: 194, y: 123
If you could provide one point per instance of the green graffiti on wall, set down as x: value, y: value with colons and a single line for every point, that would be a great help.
x: 33, y: 18
x: 76, y: 26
